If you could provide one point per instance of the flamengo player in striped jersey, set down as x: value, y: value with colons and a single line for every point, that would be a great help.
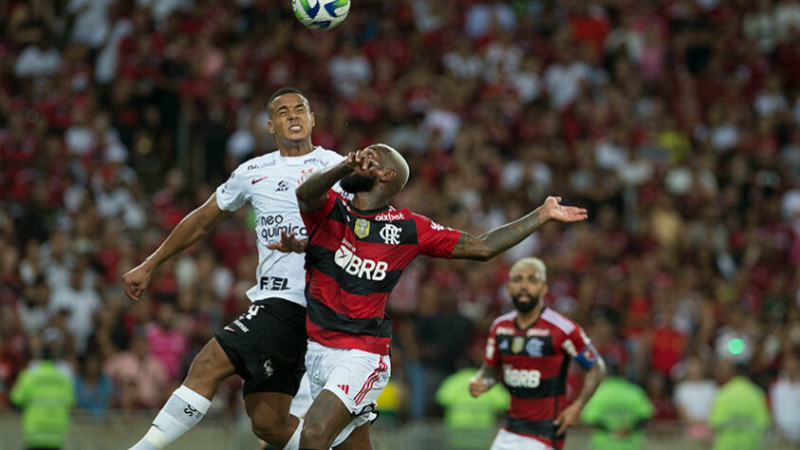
x: 530, y: 349
x: 266, y: 345
x: 354, y: 257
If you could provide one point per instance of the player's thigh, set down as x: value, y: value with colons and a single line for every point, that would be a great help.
x: 268, y: 410
x: 209, y: 367
x: 354, y: 376
x: 267, y: 346
x: 326, y: 417
x: 359, y: 439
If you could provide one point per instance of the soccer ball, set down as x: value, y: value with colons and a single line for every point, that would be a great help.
x: 321, y: 14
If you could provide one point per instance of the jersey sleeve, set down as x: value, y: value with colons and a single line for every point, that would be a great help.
x: 232, y: 194
x: 490, y: 357
x: 313, y: 219
x: 579, y: 347
x: 434, y: 239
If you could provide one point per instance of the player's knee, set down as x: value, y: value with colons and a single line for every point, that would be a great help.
x: 313, y: 432
x: 270, y: 427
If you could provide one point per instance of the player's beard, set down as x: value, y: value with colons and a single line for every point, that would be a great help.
x: 528, y: 306
x: 355, y: 183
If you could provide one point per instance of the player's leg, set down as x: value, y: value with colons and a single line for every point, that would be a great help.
x: 345, y: 385
x: 273, y: 366
x: 190, y: 402
x: 359, y: 439
x: 326, y: 418
x: 270, y: 418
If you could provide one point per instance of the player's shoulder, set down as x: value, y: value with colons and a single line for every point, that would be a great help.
x: 506, y: 319
x: 258, y: 162
x: 327, y: 155
x: 558, y: 321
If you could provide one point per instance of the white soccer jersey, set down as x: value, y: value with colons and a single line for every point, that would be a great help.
x: 268, y: 183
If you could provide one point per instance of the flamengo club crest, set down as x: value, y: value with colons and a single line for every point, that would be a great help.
x: 391, y: 234
x: 362, y: 228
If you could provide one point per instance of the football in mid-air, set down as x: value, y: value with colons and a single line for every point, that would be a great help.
x: 321, y: 14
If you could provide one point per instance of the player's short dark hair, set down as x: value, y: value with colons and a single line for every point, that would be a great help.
x: 281, y: 91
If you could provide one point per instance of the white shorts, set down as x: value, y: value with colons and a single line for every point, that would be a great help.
x: 507, y: 440
x: 356, y: 377
x: 302, y: 400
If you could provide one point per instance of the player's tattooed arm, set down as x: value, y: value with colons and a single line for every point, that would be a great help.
x: 484, y: 379
x: 570, y: 416
x: 490, y: 244
x: 312, y: 193
x: 591, y: 380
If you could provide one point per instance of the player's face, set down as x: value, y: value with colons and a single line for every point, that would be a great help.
x: 526, y: 286
x: 290, y: 118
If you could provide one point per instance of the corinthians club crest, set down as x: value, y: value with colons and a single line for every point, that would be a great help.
x: 362, y: 228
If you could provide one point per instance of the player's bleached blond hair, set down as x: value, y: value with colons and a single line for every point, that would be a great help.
x: 530, y: 263
x: 399, y: 164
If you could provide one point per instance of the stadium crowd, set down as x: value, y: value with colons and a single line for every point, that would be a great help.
x: 675, y: 122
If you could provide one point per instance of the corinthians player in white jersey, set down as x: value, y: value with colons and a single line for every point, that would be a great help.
x: 266, y: 345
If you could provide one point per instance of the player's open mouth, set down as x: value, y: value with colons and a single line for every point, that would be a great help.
x: 295, y: 128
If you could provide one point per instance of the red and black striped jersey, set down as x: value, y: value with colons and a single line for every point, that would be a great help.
x: 353, y: 261
x: 534, y: 366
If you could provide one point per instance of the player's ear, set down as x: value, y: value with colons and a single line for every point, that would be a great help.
x: 313, y: 120
x: 388, y: 175
x: 271, y: 128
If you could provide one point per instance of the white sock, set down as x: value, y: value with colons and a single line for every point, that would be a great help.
x: 183, y: 410
x: 294, y: 441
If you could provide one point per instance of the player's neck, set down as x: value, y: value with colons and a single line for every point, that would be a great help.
x: 296, y: 148
x: 367, y: 201
x: 526, y: 319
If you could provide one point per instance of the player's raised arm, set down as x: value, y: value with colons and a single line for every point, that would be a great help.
x: 312, y: 193
x: 194, y: 226
x: 493, y: 242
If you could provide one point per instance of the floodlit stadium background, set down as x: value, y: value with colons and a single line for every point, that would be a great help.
x: 674, y: 122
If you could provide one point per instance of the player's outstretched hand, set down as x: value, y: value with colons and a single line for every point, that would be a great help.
x: 289, y: 244
x: 478, y: 386
x: 569, y: 417
x: 553, y: 209
x: 136, y: 280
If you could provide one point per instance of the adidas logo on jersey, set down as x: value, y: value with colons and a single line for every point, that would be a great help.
x: 282, y: 186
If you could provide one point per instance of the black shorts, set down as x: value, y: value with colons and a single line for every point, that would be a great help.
x: 267, y: 346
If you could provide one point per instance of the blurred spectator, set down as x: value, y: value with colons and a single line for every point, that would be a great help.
x: 45, y: 393
x: 167, y: 343
x: 93, y: 388
x: 32, y: 307
x: 39, y: 59
x: 784, y: 397
x: 140, y: 380
x: 79, y: 302
x: 619, y: 410
x: 694, y: 398
x: 739, y: 416
x: 470, y: 421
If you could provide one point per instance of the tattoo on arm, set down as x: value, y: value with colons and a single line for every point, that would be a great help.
x: 493, y: 242
x: 592, y: 379
x: 311, y: 194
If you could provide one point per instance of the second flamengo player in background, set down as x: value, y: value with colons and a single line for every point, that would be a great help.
x: 267, y: 344
x: 355, y: 255
x: 529, y: 350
